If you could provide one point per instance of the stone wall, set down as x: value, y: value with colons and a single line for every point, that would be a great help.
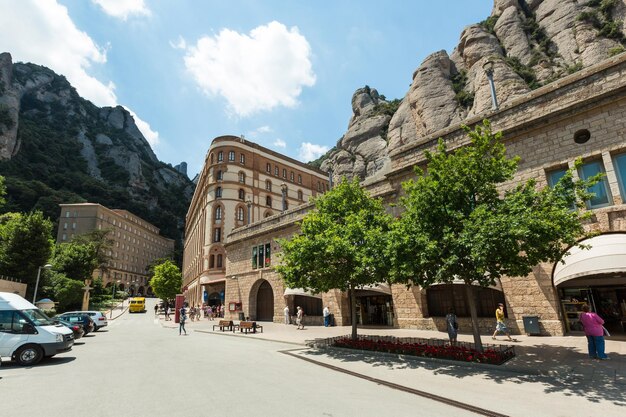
x: 15, y: 287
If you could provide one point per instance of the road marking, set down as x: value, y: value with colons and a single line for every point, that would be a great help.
x: 434, y: 397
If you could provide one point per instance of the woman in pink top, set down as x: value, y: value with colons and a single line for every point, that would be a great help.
x: 592, y: 323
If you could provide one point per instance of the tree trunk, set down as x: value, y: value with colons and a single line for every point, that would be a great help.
x: 471, y: 302
x: 353, y: 311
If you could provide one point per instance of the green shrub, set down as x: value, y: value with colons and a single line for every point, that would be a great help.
x: 616, y: 50
x: 489, y: 24
x: 462, y: 96
x: 525, y: 72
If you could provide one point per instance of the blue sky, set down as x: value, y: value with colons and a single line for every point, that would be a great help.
x: 282, y: 73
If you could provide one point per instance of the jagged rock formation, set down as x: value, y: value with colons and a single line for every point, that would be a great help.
x: 529, y: 42
x: 57, y: 147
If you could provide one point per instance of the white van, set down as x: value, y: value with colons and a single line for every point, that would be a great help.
x: 27, y: 334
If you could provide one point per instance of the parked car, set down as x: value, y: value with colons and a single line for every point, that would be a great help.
x: 27, y: 334
x: 77, y: 328
x: 80, y: 318
x: 98, y: 318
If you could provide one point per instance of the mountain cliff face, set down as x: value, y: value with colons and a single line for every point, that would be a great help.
x: 56, y: 147
x: 530, y: 43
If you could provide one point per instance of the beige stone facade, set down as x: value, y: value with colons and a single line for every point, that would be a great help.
x: 241, y: 182
x: 580, y: 116
x: 12, y: 286
x: 136, y: 243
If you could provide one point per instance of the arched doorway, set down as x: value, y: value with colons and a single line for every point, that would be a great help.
x: 265, y: 302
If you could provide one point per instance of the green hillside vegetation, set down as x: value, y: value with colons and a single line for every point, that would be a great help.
x: 49, y: 169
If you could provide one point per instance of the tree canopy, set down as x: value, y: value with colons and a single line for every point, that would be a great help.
x: 167, y: 280
x: 25, y: 245
x: 341, y: 244
x: 458, y: 222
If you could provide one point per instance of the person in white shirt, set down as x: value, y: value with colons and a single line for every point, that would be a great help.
x: 286, y: 311
x: 326, y: 314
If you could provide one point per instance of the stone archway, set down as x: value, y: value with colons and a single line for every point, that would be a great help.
x: 262, y: 301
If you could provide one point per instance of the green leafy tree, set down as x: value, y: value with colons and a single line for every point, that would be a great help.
x: 25, y: 245
x: 340, y: 246
x: 3, y: 191
x: 167, y: 280
x: 67, y: 292
x: 100, y: 243
x: 457, y: 223
x: 75, y: 260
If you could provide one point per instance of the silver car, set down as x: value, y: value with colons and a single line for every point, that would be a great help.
x: 98, y: 318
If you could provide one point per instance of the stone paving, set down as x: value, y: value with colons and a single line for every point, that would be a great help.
x: 561, y: 357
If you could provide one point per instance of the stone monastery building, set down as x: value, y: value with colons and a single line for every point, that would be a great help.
x: 582, y: 115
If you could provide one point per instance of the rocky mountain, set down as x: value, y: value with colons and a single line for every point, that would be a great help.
x: 56, y: 147
x: 530, y: 44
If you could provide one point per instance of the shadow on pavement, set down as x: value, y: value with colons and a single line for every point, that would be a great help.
x: 44, y: 362
x: 576, y: 376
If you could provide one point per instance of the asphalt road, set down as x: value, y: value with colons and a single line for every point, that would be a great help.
x: 138, y: 368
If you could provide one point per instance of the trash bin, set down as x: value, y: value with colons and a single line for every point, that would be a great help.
x: 531, y: 325
x: 242, y: 317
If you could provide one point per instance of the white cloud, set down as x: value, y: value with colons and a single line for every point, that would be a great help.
x: 42, y: 32
x: 279, y: 143
x: 255, y: 72
x: 309, y: 151
x: 122, y: 9
x: 264, y: 129
x: 181, y: 43
x: 151, y: 136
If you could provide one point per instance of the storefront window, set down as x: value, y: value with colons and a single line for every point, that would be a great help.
x: 441, y: 298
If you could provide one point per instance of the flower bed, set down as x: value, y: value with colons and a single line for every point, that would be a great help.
x: 431, y: 348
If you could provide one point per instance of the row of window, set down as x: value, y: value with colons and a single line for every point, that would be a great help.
x: 240, y: 213
x: 261, y: 256
x: 212, y: 261
x: 268, y: 169
x: 242, y: 176
x: 231, y: 157
x: 601, y: 190
x: 242, y: 195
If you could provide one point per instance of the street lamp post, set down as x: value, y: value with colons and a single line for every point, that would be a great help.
x: 249, y: 204
x: 488, y: 67
x: 113, y: 295
x: 283, y: 188
x: 46, y: 266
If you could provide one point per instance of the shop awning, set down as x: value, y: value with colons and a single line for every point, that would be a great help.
x: 301, y: 291
x: 607, y: 255
x: 207, y: 279
x: 380, y: 288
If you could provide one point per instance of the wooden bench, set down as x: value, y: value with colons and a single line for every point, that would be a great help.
x: 224, y: 325
x: 246, y: 326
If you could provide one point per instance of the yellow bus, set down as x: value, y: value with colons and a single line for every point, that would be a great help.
x: 137, y: 305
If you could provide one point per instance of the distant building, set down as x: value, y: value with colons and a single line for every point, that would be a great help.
x: 136, y: 243
x: 240, y: 183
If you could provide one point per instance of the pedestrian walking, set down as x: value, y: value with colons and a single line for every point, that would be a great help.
x: 452, y: 326
x: 182, y: 320
x: 286, y: 314
x: 167, y: 313
x: 326, y: 314
x: 156, y: 309
x: 299, y: 318
x: 500, y: 325
x: 594, y: 330
x: 209, y: 313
